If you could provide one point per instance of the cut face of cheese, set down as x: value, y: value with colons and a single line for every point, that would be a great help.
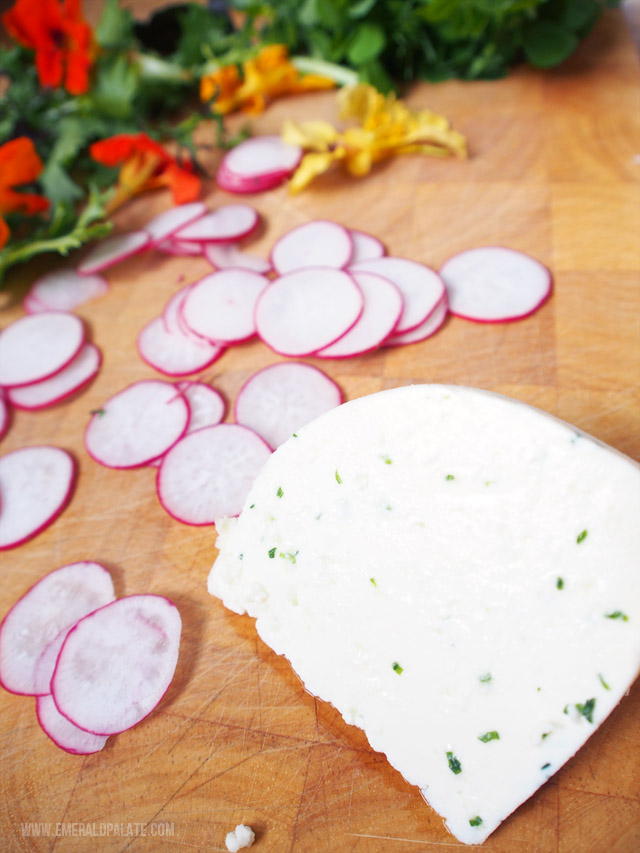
x: 458, y: 574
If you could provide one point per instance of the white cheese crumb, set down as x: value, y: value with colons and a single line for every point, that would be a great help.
x: 242, y: 836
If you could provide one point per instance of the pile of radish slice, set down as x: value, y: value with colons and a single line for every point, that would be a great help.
x: 97, y: 665
x: 206, y: 467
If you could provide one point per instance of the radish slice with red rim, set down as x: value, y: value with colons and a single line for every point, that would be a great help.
x: 221, y: 306
x: 111, y: 251
x: 231, y: 183
x: 137, y: 424
x: 207, y: 406
x: 169, y: 221
x: 5, y: 417
x: 279, y: 399
x: 315, y: 244
x: 383, y: 305
x: 180, y: 248
x: 35, y: 486
x: 37, y: 346
x: 63, y: 733
x: 421, y: 287
x: 63, y: 290
x: 308, y: 309
x: 117, y: 663
x: 493, y: 284
x: 174, y: 353
x: 229, y: 256
x: 209, y: 473
x: 366, y: 247
x: 38, y: 622
x: 173, y: 320
x: 424, y: 330
x: 258, y: 163
x: 63, y: 384
x: 228, y: 223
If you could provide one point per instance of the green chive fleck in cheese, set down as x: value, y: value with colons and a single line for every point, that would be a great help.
x: 458, y: 574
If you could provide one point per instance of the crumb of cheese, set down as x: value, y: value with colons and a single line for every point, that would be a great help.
x: 242, y: 836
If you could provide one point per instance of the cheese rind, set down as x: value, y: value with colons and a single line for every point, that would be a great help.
x: 457, y: 573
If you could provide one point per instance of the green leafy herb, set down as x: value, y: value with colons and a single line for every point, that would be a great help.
x: 387, y: 460
x: 397, y: 668
x: 603, y: 682
x: 373, y: 581
x: 454, y: 764
x: 560, y: 583
x: 338, y: 478
x: 251, y: 506
x: 582, y: 536
x: 279, y: 493
x: 545, y: 735
x: 546, y: 766
x: 272, y: 553
x: 587, y: 709
x: 617, y: 614
x: 487, y: 736
x: 475, y: 821
x: 241, y: 556
x: 289, y: 556
x: 486, y: 678
x: 295, y: 434
x: 449, y: 477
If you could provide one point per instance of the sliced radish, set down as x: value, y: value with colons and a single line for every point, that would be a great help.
x: 5, y: 416
x: 366, y: 247
x: 257, y: 164
x: 495, y: 285
x: 167, y: 223
x: 181, y: 248
x: 225, y: 256
x: 63, y: 290
x: 173, y: 353
x: 207, y: 405
x: 38, y: 622
x: 38, y: 346
x: 383, y: 305
x: 228, y: 223
x: 429, y: 327
x: 221, y: 306
x: 421, y: 287
x: 209, y: 473
x: 63, y: 384
x: 137, y: 424
x: 306, y: 310
x: 35, y: 486
x: 281, y: 398
x: 116, y: 664
x: 111, y: 251
x: 63, y: 733
x: 314, y: 244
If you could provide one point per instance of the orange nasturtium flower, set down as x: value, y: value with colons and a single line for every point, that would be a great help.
x: 60, y: 37
x: 384, y: 127
x: 268, y: 75
x: 144, y: 165
x: 19, y: 164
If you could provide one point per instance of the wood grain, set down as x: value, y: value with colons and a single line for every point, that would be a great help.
x: 554, y: 171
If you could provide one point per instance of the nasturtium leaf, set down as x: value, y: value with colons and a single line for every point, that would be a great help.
x: 547, y: 43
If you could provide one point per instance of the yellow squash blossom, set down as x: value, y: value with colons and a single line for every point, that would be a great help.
x: 385, y: 126
x: 268, y: 75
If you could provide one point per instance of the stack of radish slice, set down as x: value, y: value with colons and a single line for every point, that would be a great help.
x: 206, y: 468
x: 258, y: 164
x: 97, y: 665
x: 45, y: 358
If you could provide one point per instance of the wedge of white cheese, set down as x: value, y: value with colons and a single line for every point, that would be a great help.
x: 459, y: 575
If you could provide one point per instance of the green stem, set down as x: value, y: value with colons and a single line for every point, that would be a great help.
x: 342, y: 76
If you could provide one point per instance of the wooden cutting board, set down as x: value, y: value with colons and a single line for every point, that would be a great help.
x: 554, y: 171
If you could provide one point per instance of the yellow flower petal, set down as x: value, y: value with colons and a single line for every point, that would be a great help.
x: 310, y: 167
x: 312, y: 135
